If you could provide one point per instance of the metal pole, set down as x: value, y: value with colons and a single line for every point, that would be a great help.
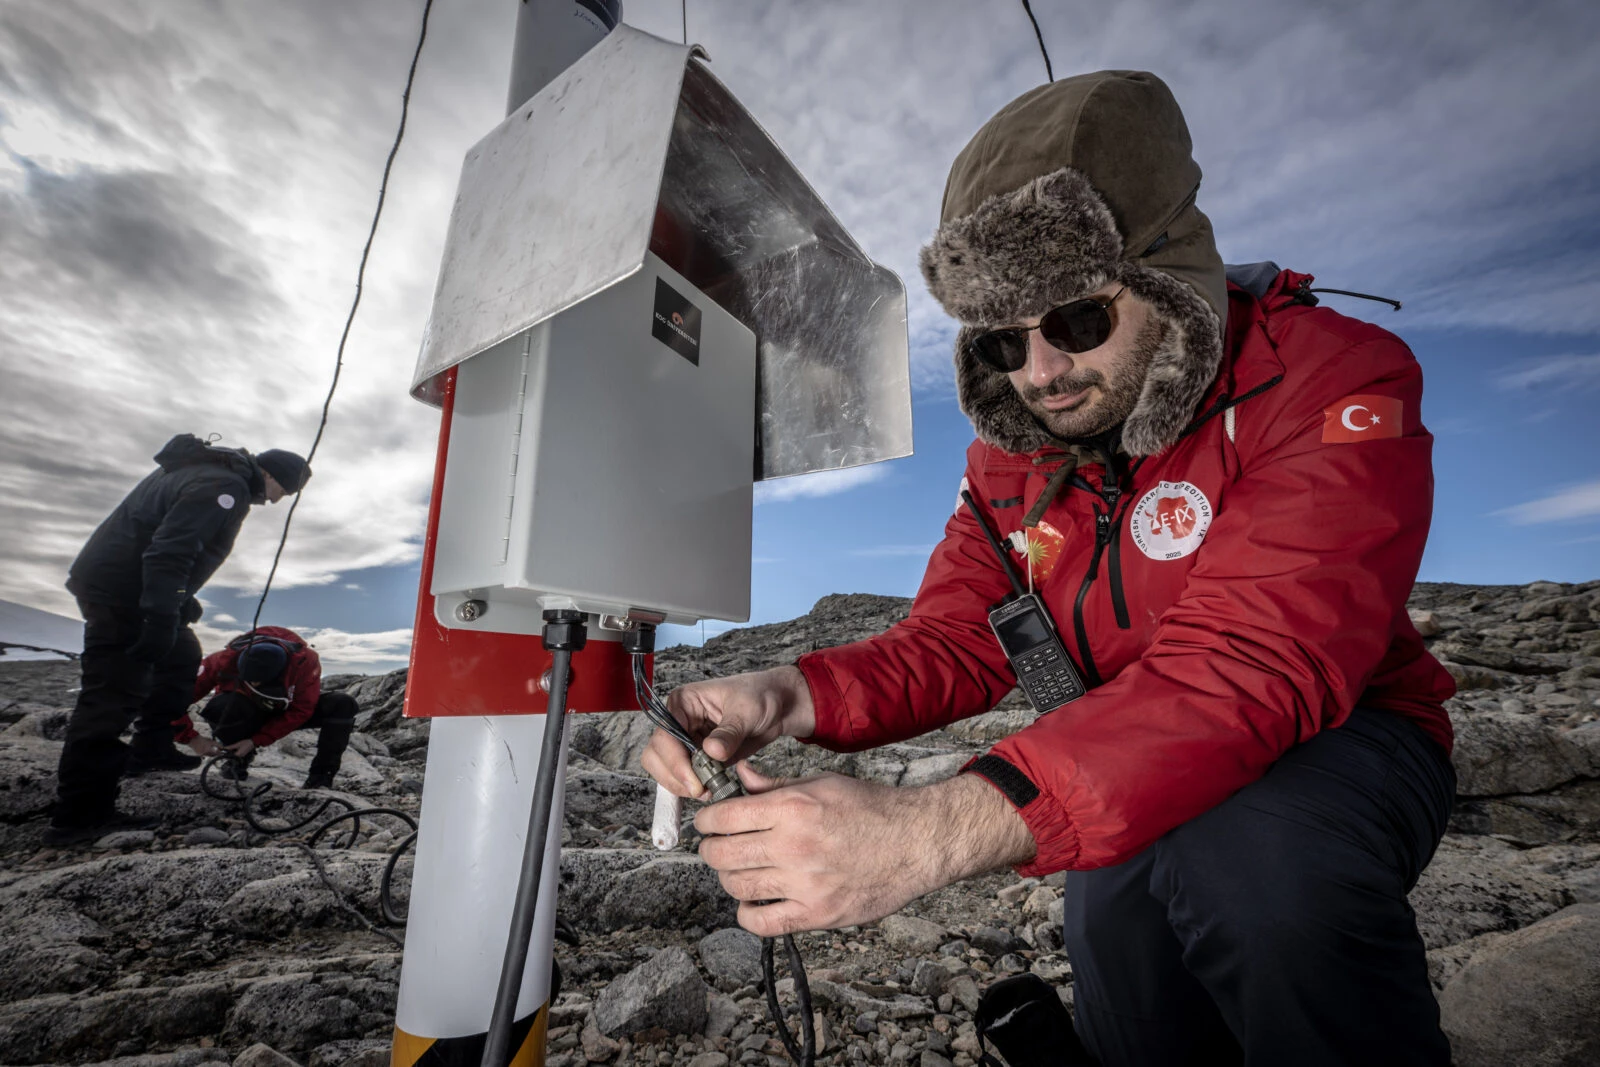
x: 551, y: 35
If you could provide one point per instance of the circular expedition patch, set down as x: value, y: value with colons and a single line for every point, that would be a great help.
x: 226, y: 500
x: 1171, y: 520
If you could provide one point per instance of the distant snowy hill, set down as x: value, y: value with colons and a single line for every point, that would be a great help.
x: 23, y: 630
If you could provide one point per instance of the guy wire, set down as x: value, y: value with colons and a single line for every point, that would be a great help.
x: 361, y: 272
x: 1048, y: 73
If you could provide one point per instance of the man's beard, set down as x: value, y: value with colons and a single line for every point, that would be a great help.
x: 1097, y: 414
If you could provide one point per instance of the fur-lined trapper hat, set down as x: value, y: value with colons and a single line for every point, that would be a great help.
x: 1075, y: 184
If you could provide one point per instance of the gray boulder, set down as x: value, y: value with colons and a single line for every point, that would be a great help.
x: 66, y: 1027
x: 1498, y: 752
x: 672, y: 890
x: 732, y: 957
x: 1531, y: 997
x: 185, y: 1057
x: 1476, y: 885
x: 854, y: 1001
x: 259, y: 1055
x: 607, y: 797
x: 665, y: 991
x: 912, y: 935
x: 298, y: 1012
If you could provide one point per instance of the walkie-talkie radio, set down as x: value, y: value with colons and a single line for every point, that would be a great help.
x: 1027, y: 635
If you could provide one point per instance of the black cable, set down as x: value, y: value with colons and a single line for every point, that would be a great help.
x: 564, y: 634
x: 1364, y: 296
x: 803, y: 1054
x: 685, y: 8
x: 385, y: 899
x: 361, y: 272
x: 1048, y: 73
x: 247, y: 799
x: 994, y: 543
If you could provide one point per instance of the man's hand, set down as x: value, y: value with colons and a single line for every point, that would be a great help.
x: 831, y: 851
x: 731, y: 718
x: 203, y: 746
x: 241, y: 748
x: 157, y: 633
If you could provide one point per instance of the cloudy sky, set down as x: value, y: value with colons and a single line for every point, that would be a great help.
x: 185, y: 187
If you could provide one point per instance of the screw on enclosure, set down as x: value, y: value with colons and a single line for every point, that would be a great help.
x: 470, y: 610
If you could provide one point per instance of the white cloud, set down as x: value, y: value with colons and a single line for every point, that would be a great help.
x: 355, y: 586
x: 368, y: 653
x: 224, y: 617
x: 823, y: 483
x: 1576, y: 502
x: 1555, y: 372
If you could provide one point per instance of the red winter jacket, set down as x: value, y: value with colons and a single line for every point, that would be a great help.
x: 1206, y: 662
x: 302, y: 683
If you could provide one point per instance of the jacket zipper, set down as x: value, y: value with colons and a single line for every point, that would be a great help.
x: 1102, y: 528
x: 1107, y: 527
x: 1119, y: 603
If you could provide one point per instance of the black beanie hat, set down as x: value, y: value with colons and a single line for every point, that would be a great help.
x: 262, y: 661
x: 286, y: 468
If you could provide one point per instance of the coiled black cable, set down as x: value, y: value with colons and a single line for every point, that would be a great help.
x: 249, y: 799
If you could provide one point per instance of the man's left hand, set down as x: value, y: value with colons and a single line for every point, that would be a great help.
x: 832, y: 851
x: 241, y: 748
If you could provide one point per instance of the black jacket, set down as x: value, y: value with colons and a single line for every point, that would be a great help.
x: 172, y: 532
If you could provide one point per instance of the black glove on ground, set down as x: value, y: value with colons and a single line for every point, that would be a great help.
x: 156, y: 636
x: 191, y: 611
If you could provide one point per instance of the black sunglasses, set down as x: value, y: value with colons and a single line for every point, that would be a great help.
x: 1076, y: 327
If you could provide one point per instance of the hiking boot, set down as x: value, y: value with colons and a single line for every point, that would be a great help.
x: 163, y: 758
x: 318, y: 780
x: 70, y: 834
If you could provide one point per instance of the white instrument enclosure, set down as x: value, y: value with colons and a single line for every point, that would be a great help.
x: 604, y: 459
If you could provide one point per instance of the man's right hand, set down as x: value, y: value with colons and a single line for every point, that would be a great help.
x: 203, y: 746
x: 157, y: 633
x: 732, y: 718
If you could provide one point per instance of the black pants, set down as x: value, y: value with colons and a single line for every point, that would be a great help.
x: 234, y: 717
x: 1274, y: 929
x: 118, y: 691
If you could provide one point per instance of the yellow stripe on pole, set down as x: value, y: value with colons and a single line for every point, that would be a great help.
x: 531, y: 1054
x: 409, y: 1050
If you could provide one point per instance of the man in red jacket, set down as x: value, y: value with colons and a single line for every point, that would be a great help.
x: 268, y: 682
x: 1221, y: 493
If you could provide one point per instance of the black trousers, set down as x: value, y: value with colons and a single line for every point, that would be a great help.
x: 118, y: 691
x: 1274, y: 929
x: 234, y: 717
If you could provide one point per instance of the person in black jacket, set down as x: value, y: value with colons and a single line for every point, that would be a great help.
x: 135, y: 582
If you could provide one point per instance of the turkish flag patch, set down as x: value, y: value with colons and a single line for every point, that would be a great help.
x: 1361, y: 418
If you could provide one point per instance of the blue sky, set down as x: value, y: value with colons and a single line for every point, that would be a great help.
x: 184, y: 189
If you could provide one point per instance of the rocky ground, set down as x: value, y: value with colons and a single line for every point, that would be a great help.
x: 206, y: 941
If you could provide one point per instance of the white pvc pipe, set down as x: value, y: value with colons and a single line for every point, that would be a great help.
x: 664, y: 824
x: 478, y: 790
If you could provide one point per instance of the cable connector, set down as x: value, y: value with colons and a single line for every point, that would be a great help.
x: 565, y: 630
x: 719, y: 779
x: 639, y: 639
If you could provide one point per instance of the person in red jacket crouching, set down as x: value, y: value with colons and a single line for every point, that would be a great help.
x: 268, y: 682
x: 1220, y: 491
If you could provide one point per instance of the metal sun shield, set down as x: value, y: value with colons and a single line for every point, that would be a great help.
x: 637, y: 148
